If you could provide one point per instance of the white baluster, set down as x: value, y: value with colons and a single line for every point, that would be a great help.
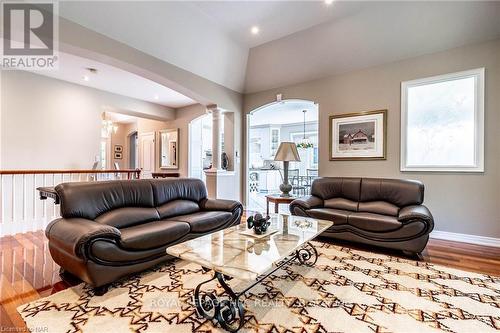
x: 33, y: 223
x: 2, y: 197
x: 44, y: 182
x: 24, y: 199
x: 34, y: 197
x: 53, y: 202
x: 13, y: 203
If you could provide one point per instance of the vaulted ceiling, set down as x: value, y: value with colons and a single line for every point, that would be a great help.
x: 297, y: 41
x: 370, y: 34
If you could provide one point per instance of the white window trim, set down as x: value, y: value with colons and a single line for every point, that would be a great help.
x: 478, y: 75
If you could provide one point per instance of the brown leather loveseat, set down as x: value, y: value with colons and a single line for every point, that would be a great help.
x: 114, y: 228
x: 381, y: 212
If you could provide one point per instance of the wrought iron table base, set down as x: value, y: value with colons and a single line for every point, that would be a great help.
x: 229, y: 312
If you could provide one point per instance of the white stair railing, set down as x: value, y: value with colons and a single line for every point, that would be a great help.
x: 21, y: 209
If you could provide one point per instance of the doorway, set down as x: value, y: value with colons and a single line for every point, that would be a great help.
x: 147, y: 154
x: 133, y: 147
x: 267, y: 126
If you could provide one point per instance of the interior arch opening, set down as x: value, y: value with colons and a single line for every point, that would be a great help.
x: 200, y: 146
x: 292, y: 120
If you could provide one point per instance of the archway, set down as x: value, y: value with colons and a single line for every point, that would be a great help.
x: 292, y: 120
x: 200, y: 146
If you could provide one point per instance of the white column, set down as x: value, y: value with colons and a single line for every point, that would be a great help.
x: 212, y: 173
x: 216, y: 133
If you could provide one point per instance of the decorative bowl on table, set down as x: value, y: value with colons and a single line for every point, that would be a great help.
x: 258, y: 223
x: 303, y: 224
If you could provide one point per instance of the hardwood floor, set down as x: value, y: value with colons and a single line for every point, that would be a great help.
x: 28, y: 271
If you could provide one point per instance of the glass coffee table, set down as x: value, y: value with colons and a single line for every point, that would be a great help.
x: 237, y: 253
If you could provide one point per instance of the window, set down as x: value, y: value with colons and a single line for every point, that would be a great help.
x: 442, y: 120
x: 275, y: 140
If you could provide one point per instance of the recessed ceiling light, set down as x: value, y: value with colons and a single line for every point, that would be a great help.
x: 91, y: 71
x: 328, y: 2
x: 157, y: 97
x: 255, y: 30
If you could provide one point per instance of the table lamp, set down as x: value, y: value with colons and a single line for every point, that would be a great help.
x: 287, y: 152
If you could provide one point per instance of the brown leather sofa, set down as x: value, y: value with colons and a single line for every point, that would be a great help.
x: 112, y: 229
x: 381, y: 212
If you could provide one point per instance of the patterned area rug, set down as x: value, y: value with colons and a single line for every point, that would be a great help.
x: 347, y: 291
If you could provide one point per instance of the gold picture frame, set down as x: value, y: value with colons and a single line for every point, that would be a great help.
x: 358, y: 136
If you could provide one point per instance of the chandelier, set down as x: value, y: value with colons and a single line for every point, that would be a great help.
x: 107, y: 128
x: 304, y: 143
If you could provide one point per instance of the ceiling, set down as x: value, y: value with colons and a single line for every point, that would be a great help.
x: 108, y: 78
x: 298, y: 40
x: 275, y: 19
x: 174, y: 31
x: 370, y: 34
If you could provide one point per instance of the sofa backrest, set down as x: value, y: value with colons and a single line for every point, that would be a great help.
x: 123, y: 203
x: 337, y: 192
x: 165, y: 190
x: 372, y: 195
x: 91, y: 199
x: 399, y: 192
x: 173, y: 197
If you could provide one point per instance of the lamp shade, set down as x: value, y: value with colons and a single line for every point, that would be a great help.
x: 287, y: 151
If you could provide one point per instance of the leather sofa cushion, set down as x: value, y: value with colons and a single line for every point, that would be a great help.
x: 328, y: 188
x: 374, y: 222
x: 166, y: 190
x: 399, y: 192
x: 341, y: 203
x: 177, y: 207
x: 338, y: 216
x: 205, y: 221
x: 153, y: 234
x: 91, y: 199
x: 107, y: 250
x: 128, y: 216
x: 379, y: 207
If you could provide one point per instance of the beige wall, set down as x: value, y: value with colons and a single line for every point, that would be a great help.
x: 462, y: 203
x: 52, y: 124
x: 59, y: 125
x: 183, y: 117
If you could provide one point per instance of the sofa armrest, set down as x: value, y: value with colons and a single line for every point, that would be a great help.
x: 416, y: 212
x: 220, y: 204
x: 308, y: 202
x: 72, y: 235
x: 301, y: 205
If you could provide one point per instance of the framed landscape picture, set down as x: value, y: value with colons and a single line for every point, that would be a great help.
x: 358, y: 136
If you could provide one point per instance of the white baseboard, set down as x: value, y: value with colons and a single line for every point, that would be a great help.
x: 465, y: 238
